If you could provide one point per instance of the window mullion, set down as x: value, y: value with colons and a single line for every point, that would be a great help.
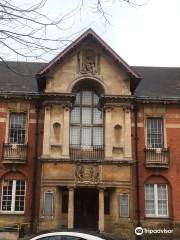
x: 156, y: 199
x: 80, y: 119
x: 167, y: 202
x: 13, y: 196
x: 92, y: 119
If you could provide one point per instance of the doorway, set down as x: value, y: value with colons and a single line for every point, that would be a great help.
x: 86, y: 208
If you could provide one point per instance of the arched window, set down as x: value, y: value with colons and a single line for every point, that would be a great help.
x: 13, y: 195
x: 86, y: 120
x: 157, y: 194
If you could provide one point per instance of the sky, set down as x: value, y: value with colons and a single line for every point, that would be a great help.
x: 144, y: 35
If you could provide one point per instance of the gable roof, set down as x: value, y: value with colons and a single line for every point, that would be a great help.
x: 160, y: 82
x: 89, y: 34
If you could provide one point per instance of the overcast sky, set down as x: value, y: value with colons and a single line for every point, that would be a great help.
x: 147, y: 35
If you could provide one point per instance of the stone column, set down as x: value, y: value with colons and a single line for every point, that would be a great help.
x: 108, y: 133
x: 65, y: 136
x: 47, y: 126
x: 101, y: 210
x: 127, y: 133
x: 71, y: 208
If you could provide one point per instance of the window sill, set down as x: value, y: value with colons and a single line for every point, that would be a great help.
x: 157, y: 217
x: 11, y: 213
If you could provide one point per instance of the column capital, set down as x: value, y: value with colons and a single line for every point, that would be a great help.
x: 48, y: 107
x: 127, y: 108
x: 108, y: 108
x: 71, y: 188
x: 101, y: 189
x: 67, y: 107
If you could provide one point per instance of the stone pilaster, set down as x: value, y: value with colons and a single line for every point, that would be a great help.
x: 127, y: 133
x: 46, y: 138
x: 65, y: 137
x: 108, y: 133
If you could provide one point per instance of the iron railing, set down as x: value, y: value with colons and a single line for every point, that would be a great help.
x: 81, y: 152
x: 157, y: 157
x: 14, y: 153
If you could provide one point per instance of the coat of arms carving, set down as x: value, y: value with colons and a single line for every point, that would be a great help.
x: 87, y: 173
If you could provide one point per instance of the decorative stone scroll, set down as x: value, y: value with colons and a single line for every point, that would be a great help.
x: 88, y: 62
x: 87, y: 173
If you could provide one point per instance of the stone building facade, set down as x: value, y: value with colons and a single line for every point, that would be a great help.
x: 89, y: 142
x: 86, y: 155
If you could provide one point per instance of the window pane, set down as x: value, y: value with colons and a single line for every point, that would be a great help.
x: 97, y: 136
x: 48, y: 203
x: 78, y: 98
x: 96, y: 99
x: 20, y: 195
x: 7, y: 195
x: 87, y: 97
x: 154, y: 132
x: 124, y: 205
x: 97, y: 116
x: 86, y: 136
x: 17, y: 127
x: 149, y: 199
x: 75, y: 115
x: 75, y: 135
x: 162, y: 199
x: 86, y: 115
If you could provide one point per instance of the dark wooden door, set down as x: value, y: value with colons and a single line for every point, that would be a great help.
x: 86, y: 208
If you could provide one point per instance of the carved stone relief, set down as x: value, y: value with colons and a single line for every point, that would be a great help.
x: 87, y: 173
x: 89, y: 65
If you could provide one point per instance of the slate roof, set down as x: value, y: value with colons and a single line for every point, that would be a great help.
x: 161, y: 82
x: 19, y: 77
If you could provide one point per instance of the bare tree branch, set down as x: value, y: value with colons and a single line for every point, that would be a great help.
x: 25, y: 28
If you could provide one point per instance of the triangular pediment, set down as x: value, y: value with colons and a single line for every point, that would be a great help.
x: 90, y: 36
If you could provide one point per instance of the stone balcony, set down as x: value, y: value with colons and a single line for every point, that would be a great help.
x: 15, y: 153
x: 81, y: 152
x: 157, y: 157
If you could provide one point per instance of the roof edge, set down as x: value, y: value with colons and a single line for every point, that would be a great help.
x: 54, y: 61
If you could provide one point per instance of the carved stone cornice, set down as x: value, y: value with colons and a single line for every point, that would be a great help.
x: 115, y: 100
x: 120, y: 162
x: 57, y: 99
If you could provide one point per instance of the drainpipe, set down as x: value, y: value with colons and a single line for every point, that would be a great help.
x: 35, y: 170
x: 137, y: 171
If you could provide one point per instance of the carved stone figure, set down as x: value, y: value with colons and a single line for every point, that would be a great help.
x: 89, y: 62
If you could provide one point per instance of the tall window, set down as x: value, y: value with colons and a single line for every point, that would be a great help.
x: 155, y: 132
x: 13, y: 196
x: 86, y: 120
x: 156, y: 200
x: 17, y: 128
x: 48, y: 203
x: 124, y: 205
